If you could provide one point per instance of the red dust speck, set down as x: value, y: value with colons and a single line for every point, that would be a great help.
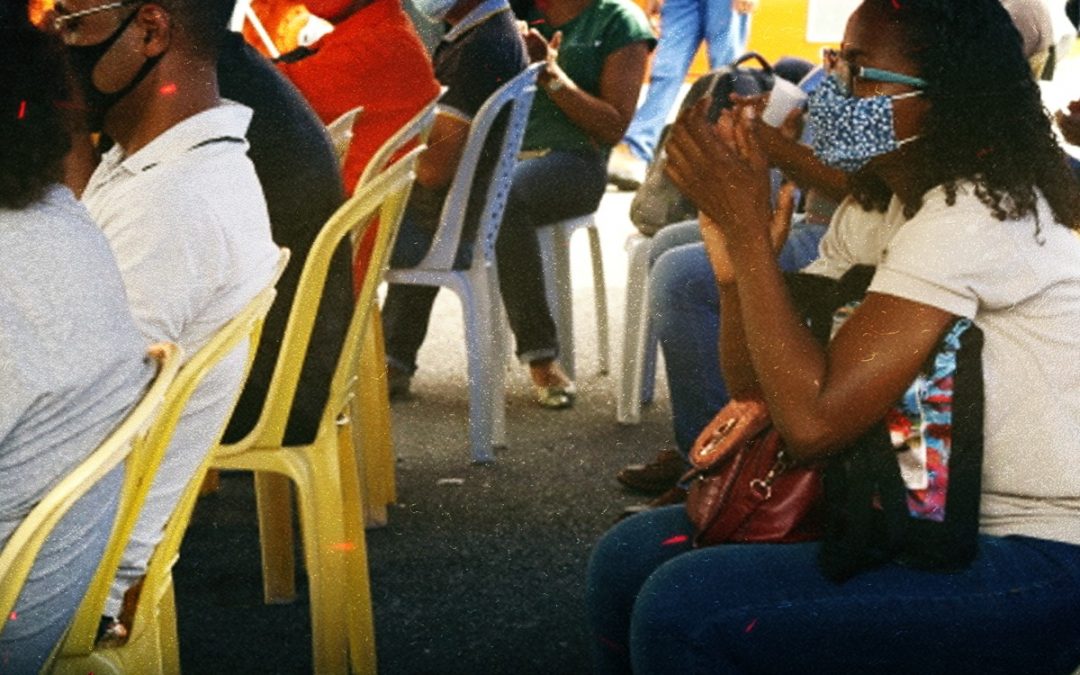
x: 22, y: 110
x: 677, y: 539
x: 13, y: 616
x: 168, y: 89
x: 344, y: 546
x: 750, y: 626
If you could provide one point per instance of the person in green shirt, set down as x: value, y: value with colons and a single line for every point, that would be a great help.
x: 594, y: 53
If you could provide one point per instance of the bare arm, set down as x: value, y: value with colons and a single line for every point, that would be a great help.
x: 819, y: 399
x: 607, y: 116
x: 438, y: 163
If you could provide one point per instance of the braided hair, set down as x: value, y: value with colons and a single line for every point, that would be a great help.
x: 986, y: 123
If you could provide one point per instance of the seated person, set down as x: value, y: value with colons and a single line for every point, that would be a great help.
x: 962, y: 201
x: 179, y: 201
x: 480, y: 52
x: 71, y: 359
x: 299, y: 175
x: 684, y: 304
x: 586, y: 102
x: 374, y: 59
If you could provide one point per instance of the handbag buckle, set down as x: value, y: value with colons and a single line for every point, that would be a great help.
x: 762, y: 488
x: 721, y: 432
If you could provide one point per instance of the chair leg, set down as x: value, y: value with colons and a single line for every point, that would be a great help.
x: 321, y: 516
x: 361, y: 621
x: 371, y: 414
x: 635, y: 331
x: 168, y: 633
x: 273, y: 501
x: 482, y: 361
x: 600, y: 293
x: 497, y: 393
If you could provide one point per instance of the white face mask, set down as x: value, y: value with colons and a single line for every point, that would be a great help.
x: 434, y: 10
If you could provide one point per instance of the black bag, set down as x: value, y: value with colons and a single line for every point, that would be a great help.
x: 871, y: 516
x: 658, y: 202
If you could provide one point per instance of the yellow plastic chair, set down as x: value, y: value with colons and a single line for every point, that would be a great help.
x: 341, y: 132
x: 325, y: 473
x: 371, y: 409
x: 20, y: 551
x: 152, y: 646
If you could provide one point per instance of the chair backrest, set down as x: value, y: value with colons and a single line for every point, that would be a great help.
x: 383, y: 199
x: 518, y: 95
x: 22, y: 548
x: 415, y: 129
x: 143, y: 465
x: 341, y: 132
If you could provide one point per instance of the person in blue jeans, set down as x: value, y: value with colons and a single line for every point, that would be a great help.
x: 963, y: 204
x: 684, y: 303
x: 723, y: 25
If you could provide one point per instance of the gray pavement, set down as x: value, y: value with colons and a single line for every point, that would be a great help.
x: 485, y: 576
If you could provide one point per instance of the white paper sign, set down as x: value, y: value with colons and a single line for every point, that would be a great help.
x: 825, y: 19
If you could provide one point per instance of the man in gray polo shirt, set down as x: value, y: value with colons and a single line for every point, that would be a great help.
x: 181, y: 206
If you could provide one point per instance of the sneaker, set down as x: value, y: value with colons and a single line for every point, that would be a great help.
x: 626, y: 170
x: 657, y: 476
x: 675, y: 495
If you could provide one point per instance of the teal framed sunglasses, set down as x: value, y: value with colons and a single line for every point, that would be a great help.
x: 848, y: 73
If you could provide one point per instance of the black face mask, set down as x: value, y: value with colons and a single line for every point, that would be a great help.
x: 83, y: 60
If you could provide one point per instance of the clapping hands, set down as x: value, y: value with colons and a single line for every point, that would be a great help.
x: 722, y: 168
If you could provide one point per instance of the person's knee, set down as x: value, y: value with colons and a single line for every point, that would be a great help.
x: 681, y: 281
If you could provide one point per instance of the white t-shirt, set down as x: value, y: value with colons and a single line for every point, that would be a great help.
x: 1023, y: 291
x: 71, y: 366
x: 187, y: 221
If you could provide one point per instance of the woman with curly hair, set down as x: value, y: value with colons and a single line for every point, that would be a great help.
x: 71, y: 359
x: 964, y: 206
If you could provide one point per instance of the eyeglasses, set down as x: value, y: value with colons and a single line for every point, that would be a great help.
x: 848, y: 72
x: 70, y: 21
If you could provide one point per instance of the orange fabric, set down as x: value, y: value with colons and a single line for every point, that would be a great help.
x: 283, y: 21
x: 374, y: 59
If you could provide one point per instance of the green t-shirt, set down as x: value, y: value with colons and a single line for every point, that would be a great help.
x: 605, y: 26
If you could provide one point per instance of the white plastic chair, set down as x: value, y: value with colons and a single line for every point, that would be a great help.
x: 638, y: 368
x: 555, y: 248
x: 478, y: 287
x: 415, y: 130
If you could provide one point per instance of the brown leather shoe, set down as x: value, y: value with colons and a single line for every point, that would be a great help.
x: 655, y: 477
x: 675, y: 495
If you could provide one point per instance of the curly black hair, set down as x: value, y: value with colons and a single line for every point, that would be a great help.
x: 986, y: 121
x: 34, y: 135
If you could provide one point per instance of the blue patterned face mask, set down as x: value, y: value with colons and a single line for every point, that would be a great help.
x: 848, y: 131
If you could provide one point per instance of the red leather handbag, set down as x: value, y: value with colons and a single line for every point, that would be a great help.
x: 743, y: 487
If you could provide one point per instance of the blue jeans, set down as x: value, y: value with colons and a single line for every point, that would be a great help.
x: 684, y: 24
x: 543, y: 190
x: 684, y: 306
x: 660, y: 606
